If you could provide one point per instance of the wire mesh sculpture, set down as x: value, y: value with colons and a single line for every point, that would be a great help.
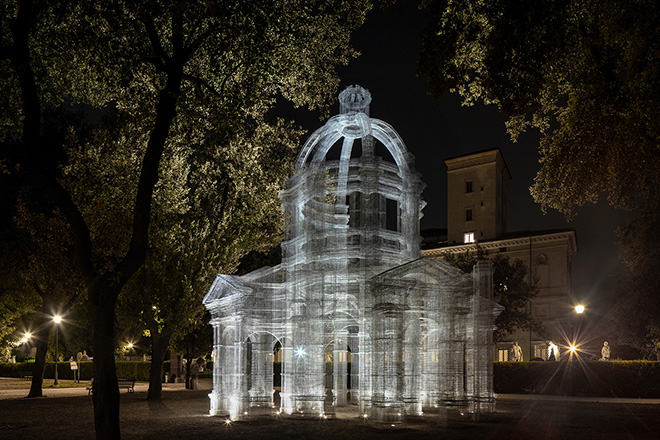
x: 353, y: 302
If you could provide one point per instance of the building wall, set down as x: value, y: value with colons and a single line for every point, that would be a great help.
x: 551, y: 254
x: 477, y: 183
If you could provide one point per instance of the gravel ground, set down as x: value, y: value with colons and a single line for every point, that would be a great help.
x: 182, y: 414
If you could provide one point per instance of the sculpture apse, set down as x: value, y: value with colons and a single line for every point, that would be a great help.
x: 353, y: 302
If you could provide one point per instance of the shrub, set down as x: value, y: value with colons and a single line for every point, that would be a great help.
x: 8, y: 369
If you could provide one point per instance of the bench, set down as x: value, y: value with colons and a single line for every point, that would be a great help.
x: 25, y: 375
x: 129, y: 384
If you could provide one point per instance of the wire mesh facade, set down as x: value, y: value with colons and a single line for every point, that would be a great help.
x: 353, y: 301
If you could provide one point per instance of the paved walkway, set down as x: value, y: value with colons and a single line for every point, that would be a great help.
x: 12, y: 388
x: 184, y: 414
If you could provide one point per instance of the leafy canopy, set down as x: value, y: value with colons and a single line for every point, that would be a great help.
x: 585, y: 73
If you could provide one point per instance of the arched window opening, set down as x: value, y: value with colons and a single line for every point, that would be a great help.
x: 334, y: 153
x: 356, y: 151
x: 382, y: 151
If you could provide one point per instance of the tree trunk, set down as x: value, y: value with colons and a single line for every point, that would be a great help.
x: 188, y: 363
x: 159, y: 344
x: 102, y: 299
x: 41, y: 338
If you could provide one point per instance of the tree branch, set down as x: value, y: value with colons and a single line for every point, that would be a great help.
x: 165, y: 113
x: 32, y: 140
x: 200, y: 82
x: 152, y: 33
x: 20, y: 60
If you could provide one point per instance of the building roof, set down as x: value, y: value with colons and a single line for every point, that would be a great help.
x: 509, y: 239
x: 450, y: 162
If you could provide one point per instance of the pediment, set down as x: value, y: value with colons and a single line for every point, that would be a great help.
x: 226, y: 286
x: 424, y: 270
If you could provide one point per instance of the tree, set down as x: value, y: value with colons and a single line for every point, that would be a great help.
x: 635, y: 319
x: 585, y: 73
x: 37, y: 279
x: 198, y: 341
x: 209, y: 211
x: 510, y: 289
x: 178, y: 70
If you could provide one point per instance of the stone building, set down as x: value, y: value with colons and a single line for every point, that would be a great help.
x: 352, y: 286
x: 476, y: 189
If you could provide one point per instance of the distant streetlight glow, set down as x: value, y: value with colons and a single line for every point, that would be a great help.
x: 300, y: 352
x: 572, y: 348
x: 579, y: 309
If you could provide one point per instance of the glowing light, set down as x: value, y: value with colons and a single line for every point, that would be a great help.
x: 300, y: 352
x: 227, y: 422
x: 572, y: 348
x: 129, y: 345
x: 579, y: 309
x: 57, y: 319
x: 28, y: 335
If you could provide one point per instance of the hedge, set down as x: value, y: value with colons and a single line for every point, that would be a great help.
x: 600, y: 379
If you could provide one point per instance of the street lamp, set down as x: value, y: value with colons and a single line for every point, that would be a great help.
x: 579, y: 309
x: 57, y: 319
x: 26, y: 338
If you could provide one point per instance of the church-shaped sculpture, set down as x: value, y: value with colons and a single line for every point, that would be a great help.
x: 359, y: 316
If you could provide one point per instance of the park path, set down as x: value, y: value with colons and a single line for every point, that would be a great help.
x: 12, y: 388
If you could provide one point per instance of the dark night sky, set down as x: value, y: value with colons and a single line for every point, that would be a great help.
x: 390, y: 43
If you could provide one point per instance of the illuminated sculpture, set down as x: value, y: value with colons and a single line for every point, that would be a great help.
x: 352, y: 285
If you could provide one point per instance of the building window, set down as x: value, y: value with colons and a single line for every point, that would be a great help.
x: 468, y: 215
x: 354, y: 202
x: 468, y: 237
x: 468, y: 186
x: 503, y: 355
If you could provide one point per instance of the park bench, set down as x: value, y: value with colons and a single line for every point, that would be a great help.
x: 129, y: 384
x: 25, y: 375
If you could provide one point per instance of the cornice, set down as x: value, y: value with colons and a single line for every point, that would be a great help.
x: 568, y: 236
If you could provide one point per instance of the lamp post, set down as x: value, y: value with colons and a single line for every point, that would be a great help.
x: 57, y: 319
x: 577, y: 330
